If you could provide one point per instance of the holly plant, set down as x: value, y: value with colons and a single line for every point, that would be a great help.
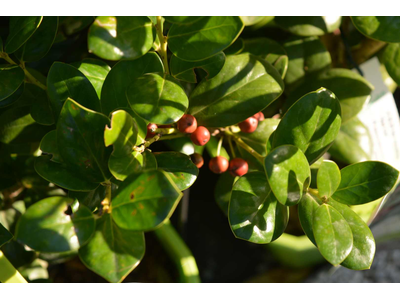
x: 100, y: 150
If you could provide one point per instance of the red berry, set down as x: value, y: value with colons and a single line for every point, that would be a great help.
x: 249, y: 125
x: 151, y: 130
x: 218, y: 164
x: 197, y: 159
x: 238, y: 167
x: 187, y: 124
x: 200, y: 136
x: 259, y: 116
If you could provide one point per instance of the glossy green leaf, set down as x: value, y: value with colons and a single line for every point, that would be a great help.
x: 363, y: 251
x: 251, y: 20
x: 179, y: 166
x: 182, y: 19
x: 306, y: 56
x: 243, y: 87
x: 121, y: 75
x: 309, y: 25
x: 352, y: 90
x: 123, y: 166
x: 115, y: 38
x: 212, y: 148
x: 332, y: 234
x: 379, y: 28
x: 365, y: 182
x: 270, y: 51
x: 113, y: 252
x: 203, y: 38
x: 40, y: 42
x: 11, y: 80
x: 95, y: 70
x: 328, y: 178
x: 391, y: 59
x: 144, y: 201
x: 158, y: 98
x: 80, y: 140
x: 184, y: 70
x: 311, y: 124
x: 223, y: 191
x: 46, y: 226
x: 5, y: 235
x: 63, y: 175
x: 41, y: 110
x: 21, y: 29
x: 66, y: 81
x: 123, y: 133
x: 236, y: 48
x: 307, y: 206
x: 184, y: 145
x: 353, y: 143
x: 74, y: 24
x: 288, y: 173
x: 259, y: 138
x: 255, y: 214
x: 48, y: 145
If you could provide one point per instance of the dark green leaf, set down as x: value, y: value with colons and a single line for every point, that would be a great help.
x: 123, y: 166
x: 258, y: 139
x: 236, y: 48
x: 254, y: 213
x: 392, y: 61
x: 328, y: 178
x: 365, y: 182
x: 288, y: 174
x: 184, y: 70
x: 66, y: 81
x: 80, y: 140
x: 203, y: 38
x: 353, y: 143
x: 145, y: 200
x: 21, y: 29
x: 11, y: 80
x: 158, y: 98
x: 40, y: 42
x: 95, y: 70
x: 113, y: 94
x: 363, y: 251
x: 223, y: 191
x: 307, y: 206
x: 91, y: 199
x: 270, y: 51
x: 75, y: 24
x: 115, y: 38
x: 306, y: 56
x: 243, y: 87
x: 182, y: 19
x: 48, y: 145
x: 332, y: 234
x: 309, y: 25
x: 46, y: 226
x: 352, y: 90
x: 311, y: 124
x: 5, y: 235
x: 179, y: 166
x: 379, y: 28
x: 113, y: 252
x: 40, y: 106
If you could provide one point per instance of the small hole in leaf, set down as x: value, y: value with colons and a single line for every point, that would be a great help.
x: 68, y: 211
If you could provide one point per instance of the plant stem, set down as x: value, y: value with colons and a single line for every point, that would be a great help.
x: 231, y: 147
x: 29, y: 77
x: 246, y: 147
x: 162, y: 50
x: 167, y: 130
x: 179, y: 253
x: 219, y: 145
x: 8, y: 274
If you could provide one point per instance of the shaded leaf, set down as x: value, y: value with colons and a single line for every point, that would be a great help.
x: 145, y: 200
x: 391, y: 58
x: 236, y: 48
x: 113, y: 252
x: 46, y: 227
x: 115, y: 38
x: 41, y: 110
x: 74, y: 24
x: 365, y: 182
x: 11, y: 84
x: 309, y: 25
x: 307, y: 206
x: 123, y: 166
x: 182, y: 19
x: 255, y: 214
x: 223, y: 191
x: 203, y: 38
x: 328, y: 178
x: 21, y: 29
x: 288, y: 174
x: 243, y: 87
x: 5, y: 235
x: 379, y: 28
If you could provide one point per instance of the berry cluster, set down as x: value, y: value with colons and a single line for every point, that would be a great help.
x: 200, y: 136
